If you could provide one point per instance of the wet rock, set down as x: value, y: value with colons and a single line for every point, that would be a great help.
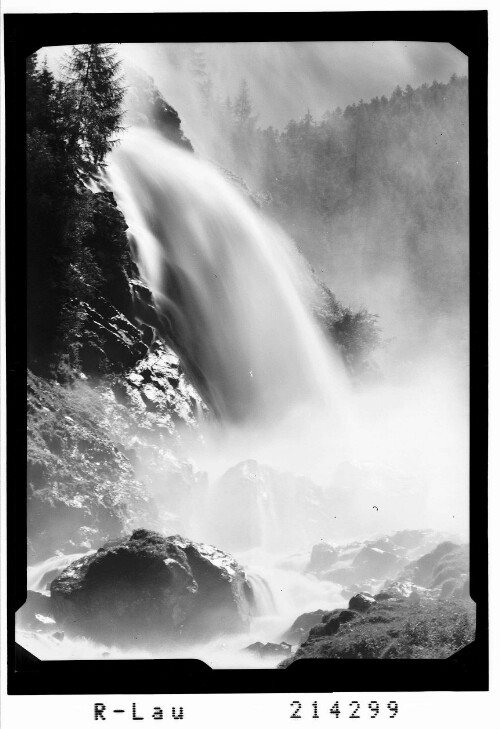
x: 400, y: 590
x: 302, y: 625
x: 361, y: 602
x: 86, y: 444
x: 148, y: 589
x: 146, y: 107
x: 109, y: 341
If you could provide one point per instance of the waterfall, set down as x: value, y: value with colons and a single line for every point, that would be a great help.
x: 264, y: 600
x: 231, y: 289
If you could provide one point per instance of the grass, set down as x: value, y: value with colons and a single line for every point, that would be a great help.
x: 431, y: 629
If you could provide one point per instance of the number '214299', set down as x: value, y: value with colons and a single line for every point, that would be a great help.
x: 353, y: 710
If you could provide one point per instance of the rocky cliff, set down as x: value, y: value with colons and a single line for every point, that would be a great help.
x: 107, y: 397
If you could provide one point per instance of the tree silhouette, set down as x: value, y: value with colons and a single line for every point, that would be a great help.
x: 92, y: 81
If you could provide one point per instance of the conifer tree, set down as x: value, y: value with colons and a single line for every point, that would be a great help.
x: 97, y: 92
x: 242, y: 105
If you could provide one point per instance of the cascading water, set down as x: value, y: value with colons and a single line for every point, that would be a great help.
x: 231, y: 289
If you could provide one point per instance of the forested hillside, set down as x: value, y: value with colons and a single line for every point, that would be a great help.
x: 376, y: 190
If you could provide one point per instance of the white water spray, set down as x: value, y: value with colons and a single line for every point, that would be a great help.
x: 232, y: 290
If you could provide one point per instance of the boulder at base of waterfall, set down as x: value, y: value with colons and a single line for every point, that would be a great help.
x: 361, y: 602
x: 302, y: 625
x: 148, y: 589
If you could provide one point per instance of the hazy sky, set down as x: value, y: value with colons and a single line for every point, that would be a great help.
x: 286, y: 79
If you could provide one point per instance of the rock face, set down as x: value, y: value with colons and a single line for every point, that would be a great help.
x: 148, y: 589
x: 366, y: 566
x: 300, y: 628
x: 425, y: 613
x: 253, y: 505
x: 146, y: 107
x: 109, y: 342
x: 101, y: 458
x: 323, y: 557
x: 428, y: 601
x: 81, y: 485
x: 36, y: 613
x: 375, y: 562
x: 446, y: 569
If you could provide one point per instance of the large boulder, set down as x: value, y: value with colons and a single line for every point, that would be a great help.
x: 148, y: 589
x: 361, y: 602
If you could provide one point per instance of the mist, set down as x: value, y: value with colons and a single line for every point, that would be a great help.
x: 288, y: 404
x: 302, y: 75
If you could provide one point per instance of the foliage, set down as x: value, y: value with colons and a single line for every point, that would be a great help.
x: 399, y: 629
x: 356, y: 334
x: 96, y: 94
x: 76, y: 244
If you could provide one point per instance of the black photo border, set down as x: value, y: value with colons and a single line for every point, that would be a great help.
x: 467, y: 670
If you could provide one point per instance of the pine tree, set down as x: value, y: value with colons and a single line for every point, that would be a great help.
x: 242, y: 105
x: 97, y: 92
